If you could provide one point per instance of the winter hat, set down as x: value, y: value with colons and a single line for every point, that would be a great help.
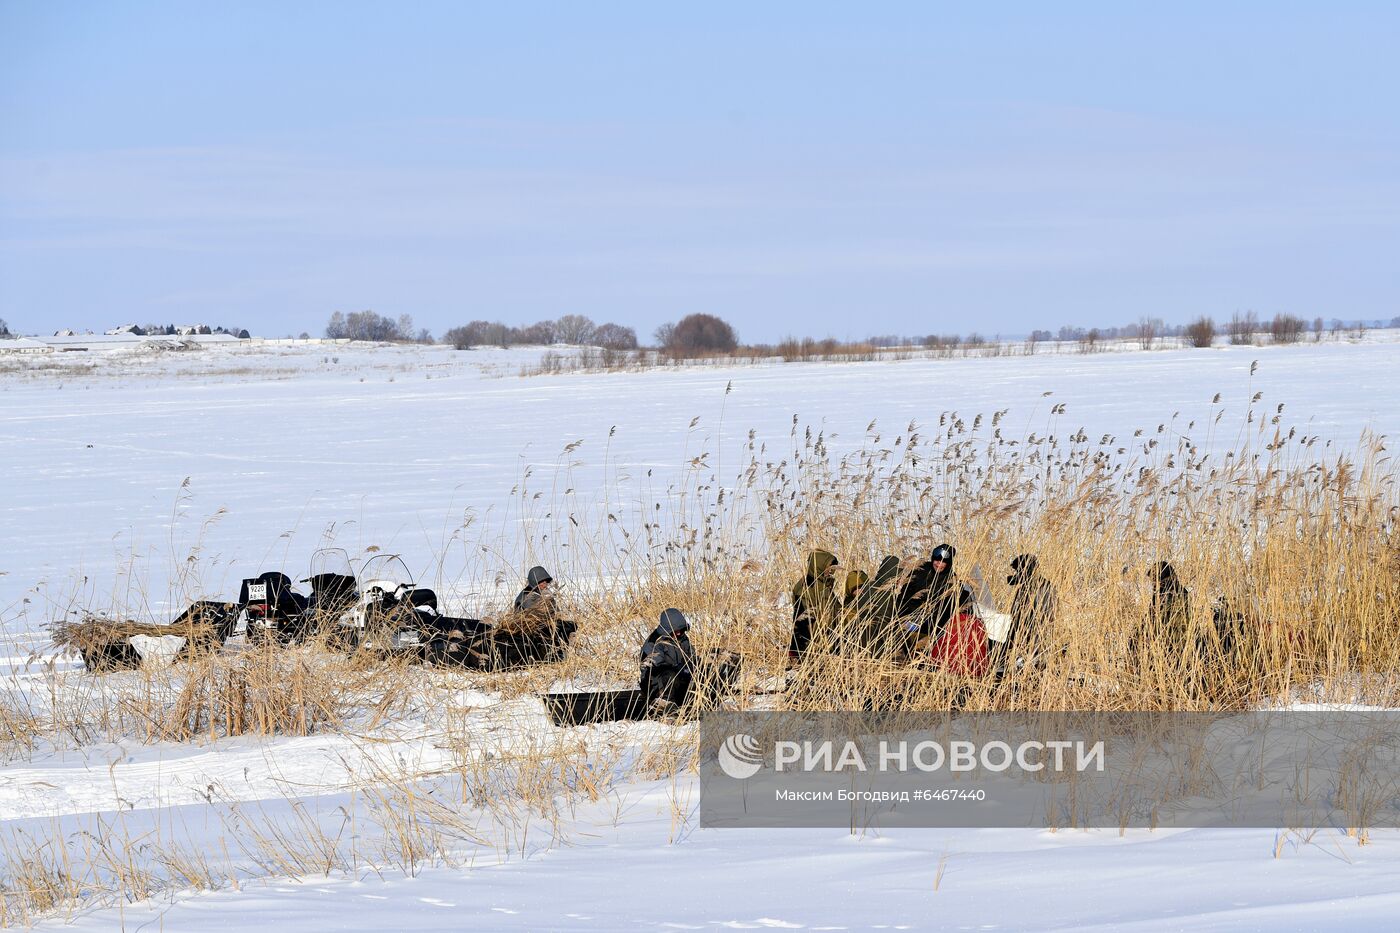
x: 944, y: 552
x: 1022, y: 567
x: 855, y: 579
x: 538, y: 575
x: 1164, y: 575
x: 673, y: 622
x: 819, y: 562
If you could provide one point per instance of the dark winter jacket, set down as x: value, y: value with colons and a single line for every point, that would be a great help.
x: 815, y: 607
x: 668, y: 659
x: 1167, y: 628
x: 668, y: 646
x: 870, y: 611
x: 1170, y: 613
x: 929, y: 597
x: 530, y: 632
x: 1231, y: 627
x: 1033, y: 608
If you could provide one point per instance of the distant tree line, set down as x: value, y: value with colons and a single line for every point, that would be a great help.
x: 573, y: 329
x: 367, y: 325
x: 171, y: 330
x: 708, y: 335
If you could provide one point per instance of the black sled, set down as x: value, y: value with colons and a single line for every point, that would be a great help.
x: 714, y: 678
x: 581, y: 709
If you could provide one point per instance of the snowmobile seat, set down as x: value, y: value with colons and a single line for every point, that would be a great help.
x: 422, y: 597
x: 331, y: 593
x: 271, y: 595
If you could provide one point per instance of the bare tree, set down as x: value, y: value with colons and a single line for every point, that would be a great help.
x: 540, y: 333
x: 574, y: 328
x: 462, y: 338
x: 1242, y: 328
x: 664, y: 334
x: 1201, y: 332
x: 1147, y: 330
x: 1286, y: 328
x: 615, y: 337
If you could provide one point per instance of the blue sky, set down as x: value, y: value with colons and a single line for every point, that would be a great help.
x: 817, y: 169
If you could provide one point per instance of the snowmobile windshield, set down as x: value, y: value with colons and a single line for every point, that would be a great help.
x: 386, y: 571
x: 331, y: 561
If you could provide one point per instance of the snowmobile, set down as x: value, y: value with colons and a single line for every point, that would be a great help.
x: 274, y: 612
x: 392, y: 615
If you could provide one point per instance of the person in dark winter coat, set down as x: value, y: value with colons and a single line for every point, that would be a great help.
x: 1167, y: 628
x: 536, y: 596
x: 532, y: 631
x: 930, y: 596
x: 668, y: 662
x: 870, y: 611
x: 1170, y: 613
x: 1232, y: 627
x: 815, y: 606
x: 1033, y: 609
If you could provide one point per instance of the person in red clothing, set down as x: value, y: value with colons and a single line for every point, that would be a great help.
x: 962, y: 648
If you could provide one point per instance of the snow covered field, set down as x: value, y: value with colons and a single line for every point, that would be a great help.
x: 146, y: 480
x: 123, y: 467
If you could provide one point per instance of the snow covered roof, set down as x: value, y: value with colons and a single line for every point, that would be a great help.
x: 24, y: 345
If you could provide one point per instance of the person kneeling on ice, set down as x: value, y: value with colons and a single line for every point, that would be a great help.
x: 961, y: 649
x: 668, y: 663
